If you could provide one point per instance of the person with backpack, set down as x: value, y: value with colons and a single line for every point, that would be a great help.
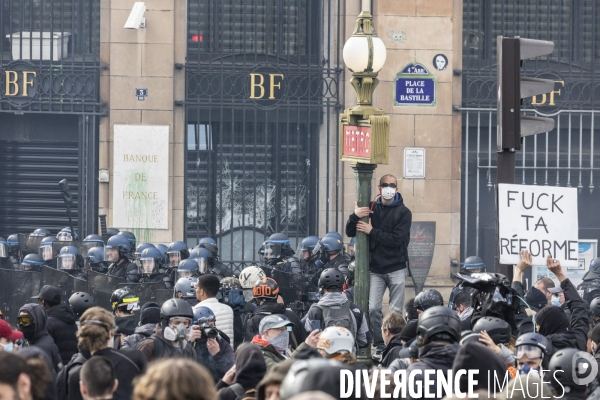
x: 241, y: 380
x: 212, y: 346
x: 265, y: 293
x: 95, y: 336
x: 334, y: 309
x: 149, y: 318
x: 337, y: 343
x: 170, y: 340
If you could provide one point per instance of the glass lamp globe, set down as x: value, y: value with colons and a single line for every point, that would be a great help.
x: 356, y: 53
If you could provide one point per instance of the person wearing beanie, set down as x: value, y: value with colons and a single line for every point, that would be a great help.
x: 243, y: 377
x: 409, y: 332
x: 268, y: 387
x: 149, y: 318
x: 474, y: 355
x: 536, y: 299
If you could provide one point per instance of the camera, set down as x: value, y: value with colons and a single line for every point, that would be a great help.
x: 136, y: 18
x: 209, y: 332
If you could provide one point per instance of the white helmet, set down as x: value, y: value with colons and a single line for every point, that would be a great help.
x: 336, y: 339
x: 250, y: 275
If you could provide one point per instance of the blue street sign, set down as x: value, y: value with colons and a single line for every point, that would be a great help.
x: 414, y: 86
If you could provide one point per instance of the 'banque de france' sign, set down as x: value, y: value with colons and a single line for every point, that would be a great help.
x: 414, y: 86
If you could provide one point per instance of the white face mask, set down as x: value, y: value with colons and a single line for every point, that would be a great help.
x: 388, y: 193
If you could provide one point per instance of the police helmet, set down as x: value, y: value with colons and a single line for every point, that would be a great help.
x: 95, y: 255
x: 118, y: 242
x: 40, y: 232
x: 498, y: 329
x: 81, y: 301
x: 177, y: 251
x: 112, y: 231
x: 32, y: 262
x: 163, y: 250
x: 309, y: 243
x: 12, y: 241
x: 141, y: 247
x: 46, y: 250
x: 283, y: 241
x: 69, y: 259
x: 93, y: 238
x: 65, y: 235
x: 124, y: 299
x: 130, y: 236
x: 352, y: 241
x: 210, y: 244
x: 329, y: 244
x: 187, y: 287
x: 595, y: 307
x: 203, y: 315
x: 438, y: 323
x: 473, y: 264
x: 331, y: 278
x: 334, y: 235
x: 150, y: 261
x: 3, y: 248
x: 202, y: 257
x: 428, y: 298
x: 187, y: 268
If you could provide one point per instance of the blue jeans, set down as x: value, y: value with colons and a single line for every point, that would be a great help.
x: 395, y: 282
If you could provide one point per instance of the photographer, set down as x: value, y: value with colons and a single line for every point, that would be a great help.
x: 212, y: 346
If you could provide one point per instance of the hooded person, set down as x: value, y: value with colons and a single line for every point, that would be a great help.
x: 250, y: 368
x: 61, y: 323
x: 32, y: 321
x: 409, y: 332
x: 149, y: 318
x: 536, y: 299
x: 553, y: 323
x: 270, y: 385
x: 475, y: 355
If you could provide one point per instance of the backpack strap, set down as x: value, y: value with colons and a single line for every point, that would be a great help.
x: 159, y: 348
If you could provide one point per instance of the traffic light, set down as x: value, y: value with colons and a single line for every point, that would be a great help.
x: 512, y: 87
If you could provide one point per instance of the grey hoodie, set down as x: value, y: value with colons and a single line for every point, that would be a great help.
x: 141, y: 333
x: 336, y: 299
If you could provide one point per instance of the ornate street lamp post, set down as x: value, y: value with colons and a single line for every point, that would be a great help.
x: 364, y: 137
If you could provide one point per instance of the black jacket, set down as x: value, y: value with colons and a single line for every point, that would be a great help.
x: 41, y: 338
x: 268, y: 308
x: 127, y: 364
x: 390, y: 352
x: 125, y: 269
x: 576, y: 337
x: 388, y: 240
x: 433, y: 356
x: 218, y: 364
x: 63, y: 329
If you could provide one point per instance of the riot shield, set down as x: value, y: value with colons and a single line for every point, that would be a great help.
x: 67, y: 284
x: 163, y: 295
x: 148, y: 291
x: 292, y: 287
x: 29, y: 244
x: 101, y: 287
x: 16, y: 289
x: 84, y: 247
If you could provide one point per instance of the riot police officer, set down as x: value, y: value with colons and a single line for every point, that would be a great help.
x: 150, y: 263
x: 351, y: 246
x: 187, y: 268
x: 206, y: 263
x: 163, y: 250
x: 70, y: 261
x: 215, y: 267
x: 32, y: 262
x: 4, y: 259
x: 95, y: 260
x: 65, y: 235
x: 132, y: 240
x: 117, y: 250
x: 591, y: 282
x: 41, y: 232
x: 14, y: 252
x: 46, y: 251
x: 331, y: 254
x: 90, y: 242
x: 277, y: 254
x: 307, y: 258
x: 138, y: 251
x: 185, y: 288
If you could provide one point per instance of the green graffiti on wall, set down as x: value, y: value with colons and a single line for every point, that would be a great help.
x: 139, y: 205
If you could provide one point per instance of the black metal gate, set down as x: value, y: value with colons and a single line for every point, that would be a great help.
x: 566, y: 156
x: 263, y: 86
x: 49, y: 109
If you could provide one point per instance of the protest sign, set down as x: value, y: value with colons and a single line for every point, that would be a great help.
x: 541, y: 219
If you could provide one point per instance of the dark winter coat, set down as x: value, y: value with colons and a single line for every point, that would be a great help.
x: 125, y: 269
x: 63, y: 329
x: 388, y: 240
x: 390, y: 352
x: 433, y: 356
x: 218, y: 364
x: 141, y: 333
x: 41, y: 338
x: 250, y: 369
x: 269, y: 308
x: 127, y: 364
x: 168, y: 350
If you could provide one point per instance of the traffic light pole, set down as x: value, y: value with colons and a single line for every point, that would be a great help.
x: 505, y: 174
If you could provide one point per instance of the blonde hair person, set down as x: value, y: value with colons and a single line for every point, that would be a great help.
x: 175, y: 379
x: 95, y: 329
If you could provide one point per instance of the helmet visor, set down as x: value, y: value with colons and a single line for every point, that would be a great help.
x: 46, y: 252
x: 86, y: 246
x: 202, y: 264
x: 531, y: 352
x: 66, y: 262
x: 205, y: 320
x: 271, y: 250
x: 111, y: 254
x: 174, y: 258
x: 148, y: 266
x: 64, y: 236
x: 317, y: 248
x: 351, y: 250
x: 3, y: 250
x: 184, y: 273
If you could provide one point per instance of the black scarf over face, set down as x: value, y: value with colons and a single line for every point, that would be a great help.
x: 552, y: 319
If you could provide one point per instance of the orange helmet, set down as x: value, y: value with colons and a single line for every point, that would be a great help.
x: 266, y: 288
